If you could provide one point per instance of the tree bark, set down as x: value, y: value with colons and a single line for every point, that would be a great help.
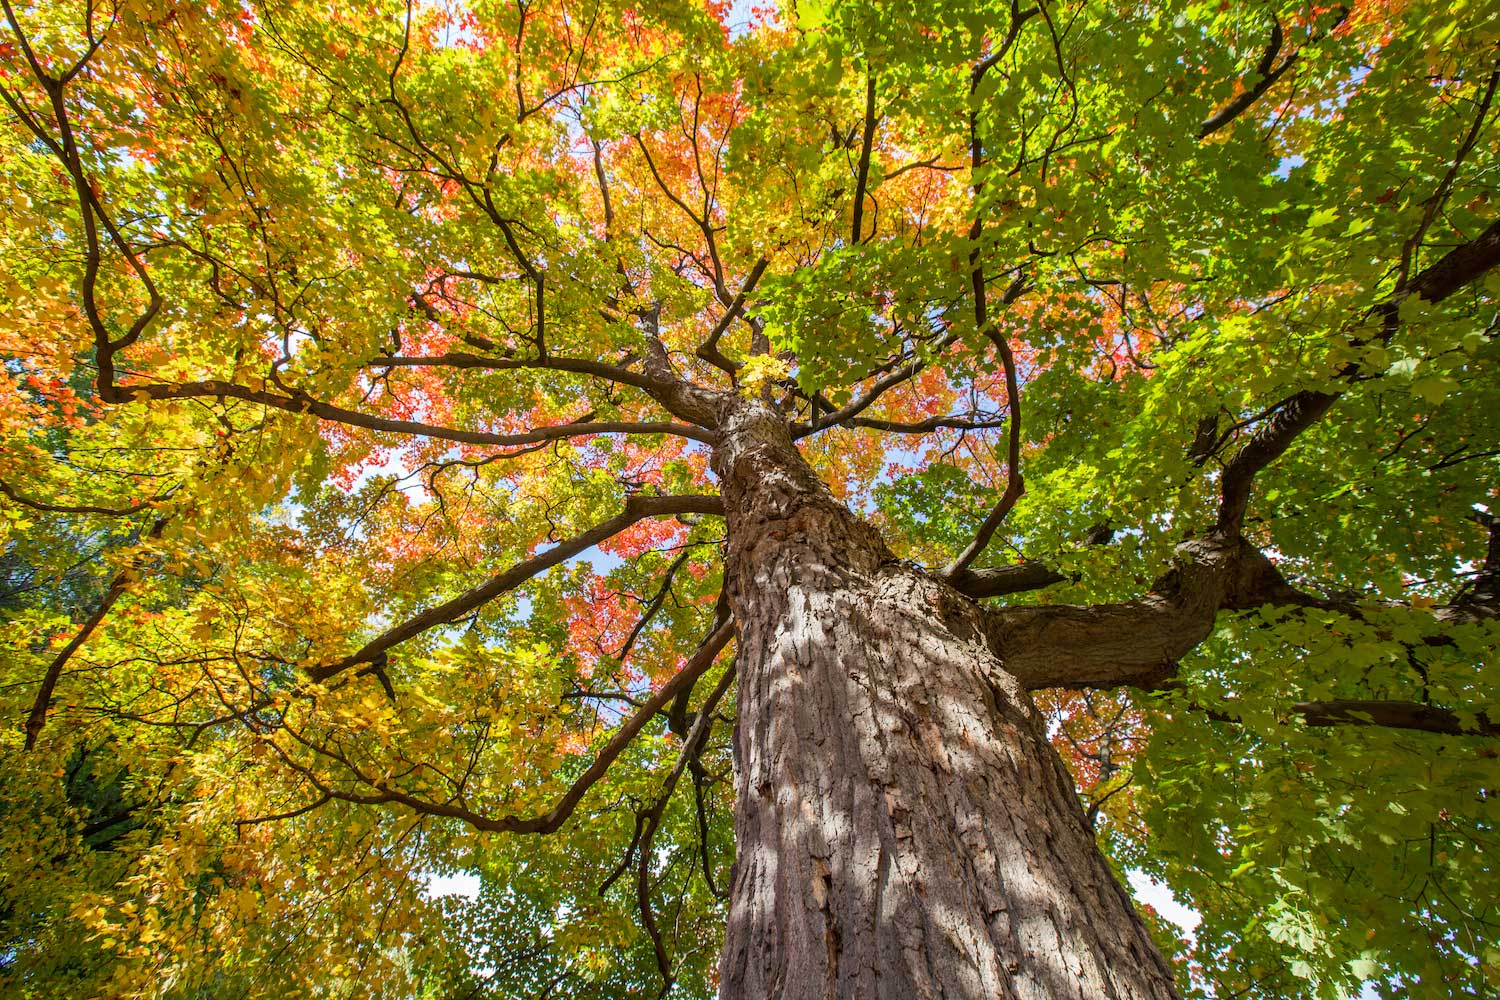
x: 903, y: 827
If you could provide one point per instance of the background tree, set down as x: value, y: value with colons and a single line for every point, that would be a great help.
x: 435, y: 432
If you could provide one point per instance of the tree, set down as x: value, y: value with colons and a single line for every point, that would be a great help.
x: 1043, y: 439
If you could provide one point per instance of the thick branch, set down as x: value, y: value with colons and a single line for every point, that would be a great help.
x: 1138, y: 643
x: 299, y: 402
x: 1395, y: 715
x: 1266, y: 74
x: 1460, y: 266
x: 1267, y: 444
x: 681, y: 397
x: 636, y: 508
x: 1135, y: 643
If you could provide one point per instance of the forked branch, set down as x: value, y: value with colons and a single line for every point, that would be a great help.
x: 559, y: 814
x: 1456, y: 269
x: 637, y: 508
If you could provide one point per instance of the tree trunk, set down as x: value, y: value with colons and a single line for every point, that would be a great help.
x: 903, y: 827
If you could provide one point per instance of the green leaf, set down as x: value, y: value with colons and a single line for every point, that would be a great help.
x: 1322, y: 217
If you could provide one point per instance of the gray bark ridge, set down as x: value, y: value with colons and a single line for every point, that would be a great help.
x: 904, y: 828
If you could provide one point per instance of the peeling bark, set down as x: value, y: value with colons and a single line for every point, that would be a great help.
x: 904, y: 828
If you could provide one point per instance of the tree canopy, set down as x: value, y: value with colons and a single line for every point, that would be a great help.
x: 357, y: 524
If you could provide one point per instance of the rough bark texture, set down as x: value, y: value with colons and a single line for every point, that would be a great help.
x: 904, y: 828
x: 1137, y: 643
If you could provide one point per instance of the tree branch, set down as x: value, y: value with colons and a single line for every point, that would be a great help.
x: 636, y: 508
x: 649, y: 821
x: 1135, y: 643
x: 1138, y: 643
x: 1265, y: 75
x: 926, y: 426
x: 579, y: 366
x: 709, y: 349
x: 863, y: 177
x: 1395, y: 715
x: 300, y: 402
x: 1017, y: 578
x: 864, y: 401
x: 1457, y: 268
x: 36, y: 719
x: 1484, y: 589
x: 1015, y: 484
x: 653, y: 605
x: 53, y: 508
x: 559, y: 814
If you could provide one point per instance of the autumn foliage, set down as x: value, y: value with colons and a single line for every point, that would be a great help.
x: 356, y: 529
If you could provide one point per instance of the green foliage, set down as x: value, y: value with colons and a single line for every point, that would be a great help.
x: 939, y: 504
x: 1322, y: 858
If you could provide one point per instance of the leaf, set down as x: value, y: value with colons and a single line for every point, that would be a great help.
x: 1433, y: 388
x: 1322, y: 217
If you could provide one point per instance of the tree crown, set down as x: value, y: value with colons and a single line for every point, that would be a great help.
x: 363, y: 367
